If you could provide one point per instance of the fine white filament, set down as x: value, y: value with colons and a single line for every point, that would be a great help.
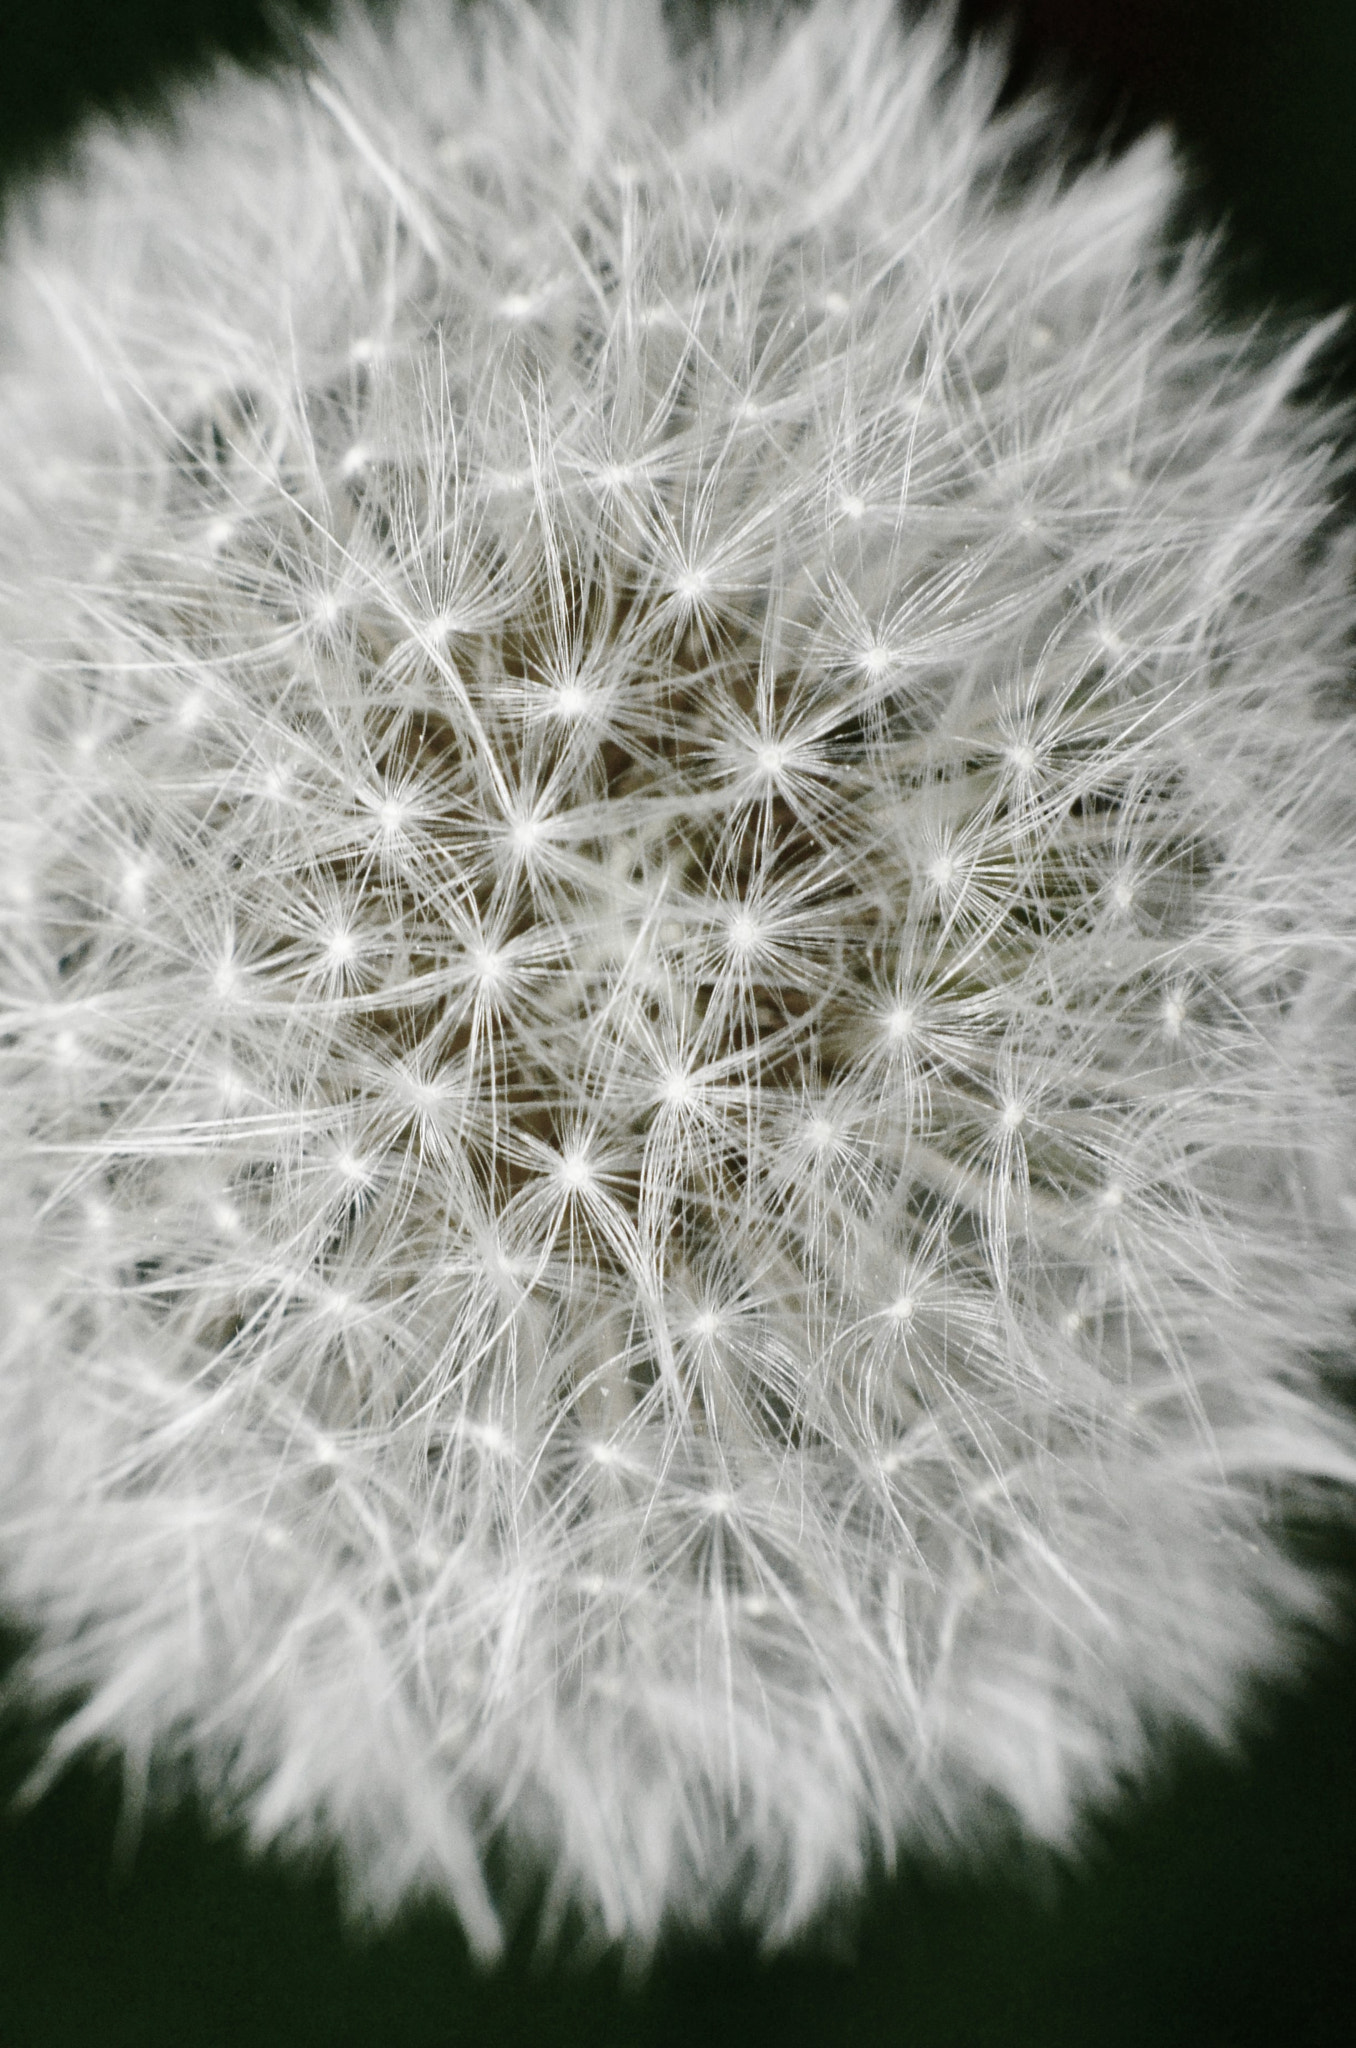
x: 676, y: 981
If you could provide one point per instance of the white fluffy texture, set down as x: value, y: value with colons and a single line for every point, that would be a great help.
x: 677, y: 959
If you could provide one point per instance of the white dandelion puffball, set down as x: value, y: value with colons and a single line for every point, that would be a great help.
x: 679, y: 933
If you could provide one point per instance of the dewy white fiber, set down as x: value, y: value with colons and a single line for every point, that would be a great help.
x: 678, y: 959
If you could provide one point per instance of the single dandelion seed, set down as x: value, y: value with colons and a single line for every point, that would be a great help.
x: 517, y: 307
x: 678, y: 1089
x: 745, y: 934
x: 575, y: 1170
x: 693, y: 586
x: 1173, y: 1015
x: 570, y: 701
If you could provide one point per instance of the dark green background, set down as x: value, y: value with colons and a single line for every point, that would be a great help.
x: 1220, y: 1908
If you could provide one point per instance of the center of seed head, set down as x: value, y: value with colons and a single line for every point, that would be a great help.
x: 745, y: 932
x: 569, y: 700
x: 487, y: 965
x: 693, y: 585
x: 678, y: 1090
x: 575, y: 1171
x: 526, y: 834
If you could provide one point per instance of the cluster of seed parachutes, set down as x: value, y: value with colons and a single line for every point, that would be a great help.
x: 660, y: 970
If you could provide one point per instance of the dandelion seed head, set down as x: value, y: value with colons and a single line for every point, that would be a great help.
x: 132, y: 886
x: 491, y: 1439
x: 678, y: 1088
x: 678, y: 936
x: 692, y: 586
x: 351, y: 1168
x: 661, y: 317
x: 822, y: 1136
x: 336, y: 1306
x: 226, y: 980
x: 228, y: 1090
x: 511, y: 483
x: 569, y: 701
x: 575, y: 1170
x: 392, y: 816
x: 67, y: 1050
x: 489, y: 965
